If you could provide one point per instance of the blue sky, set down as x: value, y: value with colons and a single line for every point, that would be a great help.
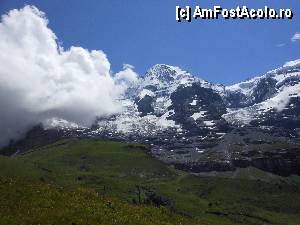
x: 144, y: 32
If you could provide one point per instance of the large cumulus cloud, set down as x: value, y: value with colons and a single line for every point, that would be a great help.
x: 39, y: 80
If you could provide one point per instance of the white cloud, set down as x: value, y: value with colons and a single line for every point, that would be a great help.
x: 39, y: 80
x: 296, y: 37
x: 280, y: 45
x: 127, y: 75
x: 128, y: 66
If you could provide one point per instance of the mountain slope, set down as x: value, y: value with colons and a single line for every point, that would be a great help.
x: 84, y: 181
x: 273, y: 99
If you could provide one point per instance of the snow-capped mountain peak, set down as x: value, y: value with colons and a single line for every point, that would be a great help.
x: 262, y: 99
x: 162, y: 74
x: 295, y: 64
x: 165, y: 71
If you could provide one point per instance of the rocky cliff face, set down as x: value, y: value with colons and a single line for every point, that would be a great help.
x: 198, y: 109
x: 199, y: 126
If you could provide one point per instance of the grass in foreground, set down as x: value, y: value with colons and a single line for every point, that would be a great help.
x: 39, y: 203
x: 77, y: 177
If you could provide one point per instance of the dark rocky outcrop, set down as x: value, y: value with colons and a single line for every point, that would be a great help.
x: 145, y: 105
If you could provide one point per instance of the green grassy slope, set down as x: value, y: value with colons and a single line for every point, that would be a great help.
x: 40, y: 203
x: 80, y: 176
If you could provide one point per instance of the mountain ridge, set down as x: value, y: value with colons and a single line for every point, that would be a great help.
x: 200, y: 126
